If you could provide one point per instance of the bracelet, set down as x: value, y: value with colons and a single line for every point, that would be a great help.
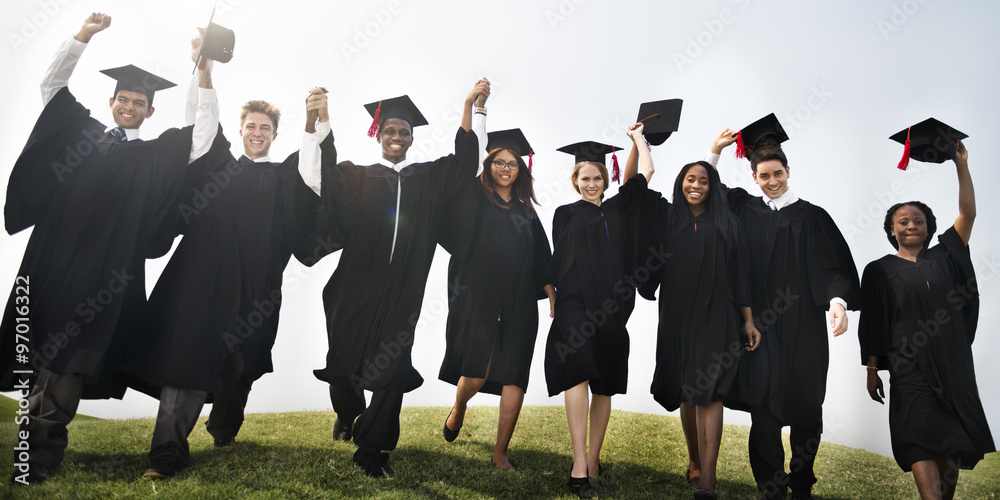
x: 873, y: 368
x: 479, y: 110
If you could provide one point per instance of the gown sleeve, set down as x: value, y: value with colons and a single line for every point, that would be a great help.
x: 456, y: 184
x: 875, y: 326
x: 831, y: 268
x: 960, y: 264
x: 541, y: 256
x: 652, y: 238
x: 300, y: 209
x: 64, y: 131
x: 560, y: 238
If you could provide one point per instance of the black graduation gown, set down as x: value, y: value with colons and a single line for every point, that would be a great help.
x: 703, y: 281
x: 591, y: 267
x: 493, y: 296
x: 920, y: 319
x: 221, y: 290
x: 372, y: 301
x: 93, y: 204
x: 798, y: 260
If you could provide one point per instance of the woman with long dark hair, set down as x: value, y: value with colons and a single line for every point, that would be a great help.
x: 493, y: 291
x: 704, y: 306
x: 918, y: 319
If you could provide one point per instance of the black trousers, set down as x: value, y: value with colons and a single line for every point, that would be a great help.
x: 767, y: 454
x: 377, y: 426
x: 228, y: 406
x: 52, y: 404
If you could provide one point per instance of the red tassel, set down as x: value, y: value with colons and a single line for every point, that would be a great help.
x: 374, y: 128
x: 616, y: 171
x: 741, y: 149
x: 650, y: 148
x: 531, y: 160
x: 905, y: 162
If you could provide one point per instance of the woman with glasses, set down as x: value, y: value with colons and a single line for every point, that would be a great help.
x: 494, y: 288
x: 587, y: 347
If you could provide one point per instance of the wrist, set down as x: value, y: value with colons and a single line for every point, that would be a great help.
x: 83, y: 36
x: 716, y: 150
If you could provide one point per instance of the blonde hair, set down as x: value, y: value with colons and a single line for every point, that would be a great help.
x: 600, y: 167
x: 260, y: 107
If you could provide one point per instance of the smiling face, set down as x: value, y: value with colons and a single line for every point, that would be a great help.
x: 395, y: 136
x: 590, y: 183
x: 504, y: 177
x: 258, y: 132
x: 909, y: 225
x: 695, y: 188
x: 129, y: 109
x: 772, y: 177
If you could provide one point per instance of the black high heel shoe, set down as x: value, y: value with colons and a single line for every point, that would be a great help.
x: 580, y: 486
x: 450, y: 435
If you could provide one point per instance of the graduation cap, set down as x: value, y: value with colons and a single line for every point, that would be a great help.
x: 595, y: 152
x: 752, y: 136
x: 512, y: 139
x: 660, y: 119
x: 216, y: 44
x: 929, y: 141
x: 138, y: 80
x: 398, y: 107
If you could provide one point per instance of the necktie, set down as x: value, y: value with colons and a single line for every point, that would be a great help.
x: 771, y: 204
x: 118, y: 134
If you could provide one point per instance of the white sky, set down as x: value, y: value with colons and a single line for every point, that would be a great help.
x: 841, y: 76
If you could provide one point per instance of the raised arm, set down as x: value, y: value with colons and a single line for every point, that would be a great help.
x: 57, y: 75
x: 482, y: 89
x: 645, y: 159
x: 317, y: 128
x: 206, y: 120
x: 632, y: 163
x: 966, y: 194
x: 721, y: 141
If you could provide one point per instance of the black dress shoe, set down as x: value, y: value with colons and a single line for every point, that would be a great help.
x: 224, y: 442
x: 703, y: 494
x: 342, y: 431
x: 580, y: 486
x: 161, y: 470
x: 373, y: 464
x: 450, y: 435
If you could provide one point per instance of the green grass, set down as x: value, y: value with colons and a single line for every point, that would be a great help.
x: 291, y: 455
x: 8, y: 409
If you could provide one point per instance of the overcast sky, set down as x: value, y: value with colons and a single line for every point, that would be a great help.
x: 840, y: 76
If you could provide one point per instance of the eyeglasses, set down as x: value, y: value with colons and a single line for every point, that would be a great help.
x: 500, y: 164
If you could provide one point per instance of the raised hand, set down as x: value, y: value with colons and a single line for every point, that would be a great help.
x: 723, y: 140
x: 635, y: 131
x: 479, y: 93
x: 316, y: 108
x: 196, y: 44
x: 96, y: 22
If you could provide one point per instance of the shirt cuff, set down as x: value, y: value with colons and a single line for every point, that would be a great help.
x: 76, y: 47
x: 838, y: 300
x: 310, y: 156
x: 713, y: 158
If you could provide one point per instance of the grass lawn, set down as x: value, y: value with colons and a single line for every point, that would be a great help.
x: 291, y: 455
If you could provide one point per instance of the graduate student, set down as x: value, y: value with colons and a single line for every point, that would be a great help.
x: 800, y: 267
x: 704, y: 297
x: 919, y: 309
x: 212, y: 318
x: 391, y: 216
x: 94, y: 199
x: 587, y: 347
x: 494, y: 287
